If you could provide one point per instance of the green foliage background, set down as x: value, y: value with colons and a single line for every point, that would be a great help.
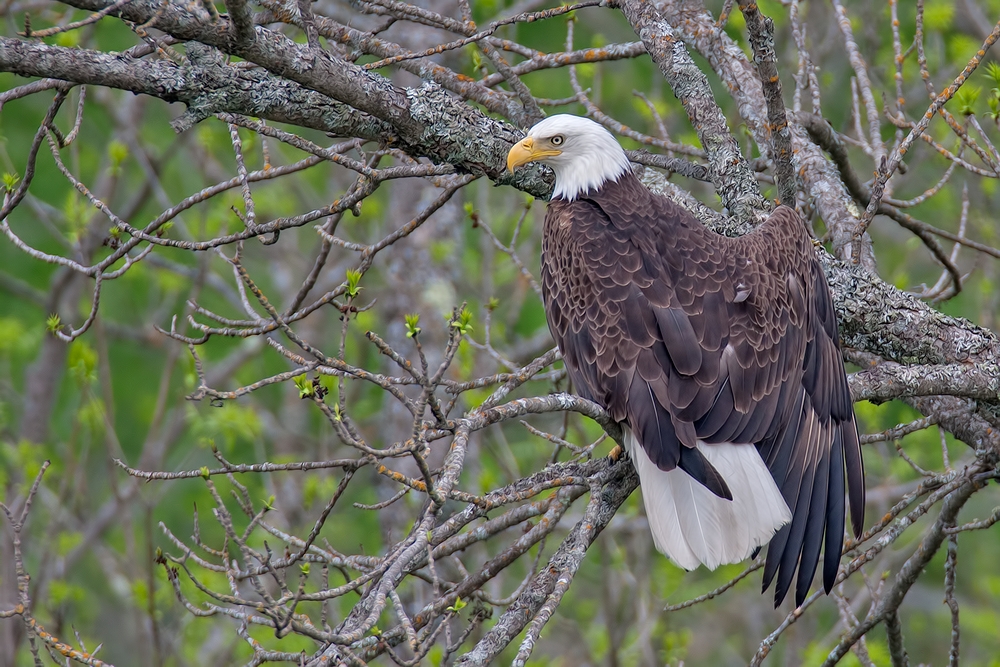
x: 123, y: 385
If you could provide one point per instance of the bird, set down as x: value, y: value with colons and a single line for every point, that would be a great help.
x: 719, y: 357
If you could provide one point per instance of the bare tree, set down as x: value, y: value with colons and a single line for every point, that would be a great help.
x: 282, y: 288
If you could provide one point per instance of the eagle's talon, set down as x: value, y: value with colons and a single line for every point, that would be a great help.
x: 616, y: 453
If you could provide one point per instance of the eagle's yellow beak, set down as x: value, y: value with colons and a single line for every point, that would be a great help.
x: 525, y: 151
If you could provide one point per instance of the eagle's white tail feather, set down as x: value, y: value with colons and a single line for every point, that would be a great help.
x: 693, y: 526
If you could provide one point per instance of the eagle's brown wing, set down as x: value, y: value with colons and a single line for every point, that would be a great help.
x: 686, y: 335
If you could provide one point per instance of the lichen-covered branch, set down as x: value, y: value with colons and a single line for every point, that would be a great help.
x: 730, y: 171
x: 484, y: 520
x: 760, y: 30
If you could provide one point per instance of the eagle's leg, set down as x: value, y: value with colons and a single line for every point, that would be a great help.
x: 616, y: 453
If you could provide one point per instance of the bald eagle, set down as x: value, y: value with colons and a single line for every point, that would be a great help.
x: 718, y: 356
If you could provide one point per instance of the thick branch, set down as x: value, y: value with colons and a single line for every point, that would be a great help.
x: 889, y: 380
x: 426, y: 69
x: 310, y: 67
x: 456, y: 133
x: 878, y: 318
x: 733, y: 178
x: 207, y: 85
x: 960, y: 417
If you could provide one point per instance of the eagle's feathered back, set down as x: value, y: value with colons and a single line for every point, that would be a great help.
x: 692, y: 339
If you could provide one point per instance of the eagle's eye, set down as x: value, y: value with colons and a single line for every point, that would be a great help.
x: 557, y: 140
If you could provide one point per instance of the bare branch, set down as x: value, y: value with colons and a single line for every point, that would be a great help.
x: 761, y: 32
x: 729, y: 170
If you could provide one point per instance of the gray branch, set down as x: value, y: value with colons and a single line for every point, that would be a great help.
x: 892, y: 598
x: 819, y: 175
x: 456, y: 132
x: 889, y: 380
x: 730, y: 172
x: 564, y: 562
x: 760, y: 30
x: 873, y: 316
x: 311, y: 67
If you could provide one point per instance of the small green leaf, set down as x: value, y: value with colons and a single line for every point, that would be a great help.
x: 305, y: 385
x: 53, y: 323
x: 939, y: 14
x: 993, y: 71
x: 463, y: 322
x: 205, y: 473
x: 966, y: 99
x: 68, y: 39
x: 66, y: 542
x: 81, y: 362
x: 10, y: 180
x: 492, y: 304
x: 117, y: 152
x: 353, y: 278
x: 76, y: 211
x: 304, y: 569
x: 458, y: 606
x: 477, y: 59
x: 412, y: 319
x: 269, y: 504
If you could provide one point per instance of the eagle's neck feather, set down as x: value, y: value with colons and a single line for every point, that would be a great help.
x: 589, y: 170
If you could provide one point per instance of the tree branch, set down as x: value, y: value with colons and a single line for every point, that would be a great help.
x: 891, y: 599
x: 313, y: 68
x: 888, y: 380
x: 564, y: 562
x: 760, y: 29
x: 456, y: 133
x: 730, y: 172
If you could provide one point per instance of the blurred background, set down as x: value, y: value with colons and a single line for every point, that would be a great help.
x: 122, y: 389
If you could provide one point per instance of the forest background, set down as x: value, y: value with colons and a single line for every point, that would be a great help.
x: 274, y: 369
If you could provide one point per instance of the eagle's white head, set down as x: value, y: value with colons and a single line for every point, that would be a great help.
x: 583, y: 154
